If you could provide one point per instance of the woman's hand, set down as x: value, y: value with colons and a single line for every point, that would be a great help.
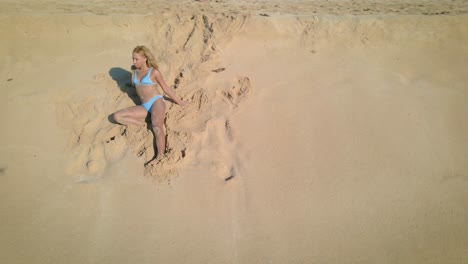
x: 183, y: 103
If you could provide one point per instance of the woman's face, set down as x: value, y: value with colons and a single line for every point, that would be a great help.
x: 138, y: 60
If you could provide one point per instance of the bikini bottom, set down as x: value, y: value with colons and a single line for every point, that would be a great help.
x: 148, y: 105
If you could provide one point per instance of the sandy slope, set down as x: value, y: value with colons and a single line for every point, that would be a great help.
x: 340, y: 126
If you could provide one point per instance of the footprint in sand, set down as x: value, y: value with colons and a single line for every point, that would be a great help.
x: 238, y: 93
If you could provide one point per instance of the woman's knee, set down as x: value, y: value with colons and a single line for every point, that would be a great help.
x: 117, y: 117
x: 157, y: 128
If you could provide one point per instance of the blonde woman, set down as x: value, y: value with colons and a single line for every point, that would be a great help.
x: 149, y: 85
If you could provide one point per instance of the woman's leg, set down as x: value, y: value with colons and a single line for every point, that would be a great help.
x: 134, y: 115
x: 158, y: 113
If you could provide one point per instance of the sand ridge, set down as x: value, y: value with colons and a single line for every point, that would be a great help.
x: 190, y: 51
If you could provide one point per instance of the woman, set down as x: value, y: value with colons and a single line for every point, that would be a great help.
x: 146, y: 78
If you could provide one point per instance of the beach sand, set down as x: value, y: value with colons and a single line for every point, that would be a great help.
x: 317, y: 132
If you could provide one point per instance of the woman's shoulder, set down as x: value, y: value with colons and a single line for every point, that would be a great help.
x: 155, y: 72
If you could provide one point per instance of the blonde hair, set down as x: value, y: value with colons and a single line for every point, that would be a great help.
x: 144, y: 51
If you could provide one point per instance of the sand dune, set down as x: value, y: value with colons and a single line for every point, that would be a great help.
x: 317, y: 132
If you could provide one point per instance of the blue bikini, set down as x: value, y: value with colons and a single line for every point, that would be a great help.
x: 147, y: 81
x: 148, y: 105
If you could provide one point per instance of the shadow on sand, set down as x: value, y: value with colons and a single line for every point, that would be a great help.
x: 123, y: 79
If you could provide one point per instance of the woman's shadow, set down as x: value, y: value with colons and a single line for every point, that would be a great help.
x: 123, y: 79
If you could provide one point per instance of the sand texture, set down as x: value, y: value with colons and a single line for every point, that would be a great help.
x: 317, y: 132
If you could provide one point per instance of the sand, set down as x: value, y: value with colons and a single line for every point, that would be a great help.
x: 317, y: 132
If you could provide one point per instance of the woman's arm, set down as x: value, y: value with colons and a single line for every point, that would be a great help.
x: 168, y: 90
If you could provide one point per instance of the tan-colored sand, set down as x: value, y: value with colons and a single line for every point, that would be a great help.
x: 318, y: 132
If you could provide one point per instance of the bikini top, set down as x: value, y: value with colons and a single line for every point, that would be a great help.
x: 146, y: 80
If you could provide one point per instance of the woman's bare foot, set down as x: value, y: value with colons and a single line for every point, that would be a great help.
x: 156, y: 160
